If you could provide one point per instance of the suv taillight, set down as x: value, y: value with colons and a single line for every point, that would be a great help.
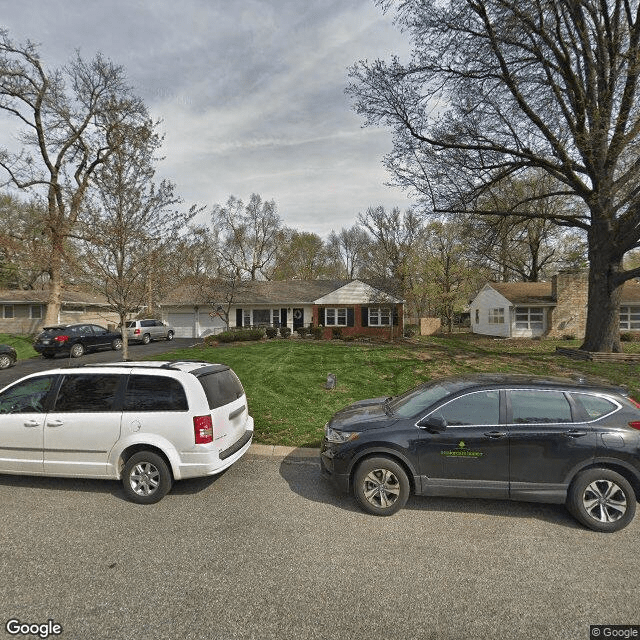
x: 203, y: 429
x: 136, y: 332
x: 61, y: 338
x: 634, y: 402
x: 635, y: 424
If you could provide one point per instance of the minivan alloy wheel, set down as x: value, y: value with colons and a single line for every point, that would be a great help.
x: 146, y: 477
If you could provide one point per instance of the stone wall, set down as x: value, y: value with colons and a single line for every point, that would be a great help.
x: 429, y: 326
x: 569, y: 317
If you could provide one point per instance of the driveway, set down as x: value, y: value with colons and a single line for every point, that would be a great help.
x: 136, y: 352
x: 268, y: 551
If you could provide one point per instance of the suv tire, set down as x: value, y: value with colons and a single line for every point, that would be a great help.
x: 146, y: 478
x: 602, y: 500
x: 146, y: 338
x: 381, y: 486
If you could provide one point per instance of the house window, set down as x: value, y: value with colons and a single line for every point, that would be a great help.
x: 261, y: 317
x: 246, y: 319
x: 496, y: 316
x: 35, y: 313
x: 477, y: 316
x: 630, y: 318
x: 529, y: 318
x: 335, y: 317
x: 276, y: 317
x: 379, y: 316
x: 8, y: 313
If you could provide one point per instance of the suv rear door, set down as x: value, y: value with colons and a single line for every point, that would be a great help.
x: 548, y: 440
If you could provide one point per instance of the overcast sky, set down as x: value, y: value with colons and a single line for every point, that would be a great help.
x: 251, y: 93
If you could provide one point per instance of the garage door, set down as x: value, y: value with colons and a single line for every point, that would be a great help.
x: 209, y: 325
x: 184, y: 324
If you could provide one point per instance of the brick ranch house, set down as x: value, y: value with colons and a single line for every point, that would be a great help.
x: 355, y: 307
x: 552, y: 309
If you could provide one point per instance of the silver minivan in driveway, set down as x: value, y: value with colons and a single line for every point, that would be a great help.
x: 147, y: 424
x: 147, y: 330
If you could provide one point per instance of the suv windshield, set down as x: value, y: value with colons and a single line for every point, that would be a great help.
x: 415, y: 401
x: 221, y: 387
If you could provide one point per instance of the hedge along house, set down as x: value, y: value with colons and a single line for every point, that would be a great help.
x: 23, y: 311
x: 553, y: 309
x: 354, y: 307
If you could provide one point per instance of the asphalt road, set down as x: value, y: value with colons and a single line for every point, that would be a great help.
x: 136, y: 352
x: 268, y: 550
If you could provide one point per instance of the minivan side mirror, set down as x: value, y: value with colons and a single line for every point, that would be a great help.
x: 433, y: 424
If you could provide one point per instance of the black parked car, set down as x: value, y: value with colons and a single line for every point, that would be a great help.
x: 8, y: 356
x: 76, y: 339
x: 493, y: 436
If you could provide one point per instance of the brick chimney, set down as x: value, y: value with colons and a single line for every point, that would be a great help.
x: 570, y: 290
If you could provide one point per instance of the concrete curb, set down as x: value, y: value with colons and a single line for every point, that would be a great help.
x: 275, y: 451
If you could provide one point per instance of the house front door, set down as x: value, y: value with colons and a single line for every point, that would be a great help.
x: 298, y: 318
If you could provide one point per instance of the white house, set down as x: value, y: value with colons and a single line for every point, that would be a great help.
x: 554, y: 309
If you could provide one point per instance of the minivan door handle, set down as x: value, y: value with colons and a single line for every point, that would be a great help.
x: 575, y: 433
x: 495, y: 434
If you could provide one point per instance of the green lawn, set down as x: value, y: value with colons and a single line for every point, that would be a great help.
x: 284, y: 379
x: 22, y: 344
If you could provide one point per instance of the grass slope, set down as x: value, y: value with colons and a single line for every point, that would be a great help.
x: 284, y: 379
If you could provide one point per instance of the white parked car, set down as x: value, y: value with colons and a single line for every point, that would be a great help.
x: 145, y: 423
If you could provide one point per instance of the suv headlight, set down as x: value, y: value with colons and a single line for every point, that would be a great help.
x: 333, y: 435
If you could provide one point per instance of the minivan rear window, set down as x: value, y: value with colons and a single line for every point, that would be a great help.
x: 221, y: 387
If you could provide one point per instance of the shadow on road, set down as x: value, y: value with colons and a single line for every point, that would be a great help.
x: 304, y: 477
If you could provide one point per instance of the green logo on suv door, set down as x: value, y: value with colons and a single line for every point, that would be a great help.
x: 462, y: 452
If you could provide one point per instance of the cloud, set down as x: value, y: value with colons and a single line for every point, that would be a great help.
x: 251, y: 93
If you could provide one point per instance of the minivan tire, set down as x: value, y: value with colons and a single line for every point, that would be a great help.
x: 602, y: 500
x: 146, y: 478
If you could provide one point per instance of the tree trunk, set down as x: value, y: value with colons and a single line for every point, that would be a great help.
x: 52, y: 316
x: 603, y: 309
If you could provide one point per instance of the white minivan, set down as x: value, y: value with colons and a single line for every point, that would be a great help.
x: 145, y: 423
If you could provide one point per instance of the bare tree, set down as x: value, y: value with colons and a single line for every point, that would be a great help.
x: 498, y: 88
x: 23, y: 247
x: 348, y: 250
x: 247, y: 235
x: 299, y: 255
x: 72, y: 121
x: 393, y: 235
x: 130, y: 222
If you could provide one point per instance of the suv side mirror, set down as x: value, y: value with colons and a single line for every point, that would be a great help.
x: 433, y: 424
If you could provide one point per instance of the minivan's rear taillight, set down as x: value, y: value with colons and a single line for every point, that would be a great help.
x: 635, y: 424
x: 61, y: 338
x: 203, y: 429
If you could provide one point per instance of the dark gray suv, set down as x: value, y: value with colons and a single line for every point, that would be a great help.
x: 537, y: 439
